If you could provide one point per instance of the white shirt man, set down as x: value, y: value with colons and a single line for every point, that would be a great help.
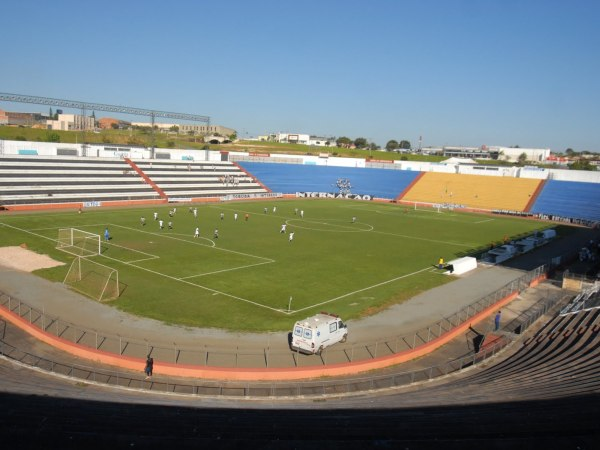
x: 155, y: 215
x: 161, y: 224
x: 283, y: 226
x: 197, y: 233
x: 291, y: 238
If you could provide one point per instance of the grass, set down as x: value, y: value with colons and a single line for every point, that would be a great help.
x: 244, y: 279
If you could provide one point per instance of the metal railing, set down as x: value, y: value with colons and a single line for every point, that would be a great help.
x: 345, y: 386
x: 266, y: 357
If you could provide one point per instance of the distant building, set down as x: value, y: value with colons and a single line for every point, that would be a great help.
x: 216, y: 130
x: 319, y: 141
x: 159, y: 126
x: 513, y: 153
x: 20, y: 118
x: 497, y: 152
x: 71, y: 122
x: 292, y: 138
x: 469, y: 152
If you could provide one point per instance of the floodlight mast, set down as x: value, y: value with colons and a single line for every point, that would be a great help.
x: 75, y: 104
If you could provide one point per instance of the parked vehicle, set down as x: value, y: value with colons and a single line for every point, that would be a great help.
x: 315, y: 333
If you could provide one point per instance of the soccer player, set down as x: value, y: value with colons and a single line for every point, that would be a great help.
x: 106, y: 234
x: 195, y: 213
x: 265, y: 210
x: 155, y: 216
x: 353, y: 219
x: 197, y: 232
x: 222, y: 216
x: 274, y: 209
x: 142, y: 221
x: 283, y: 226
x: 291, y: 237
x: 216, y: 233
x: 170, y: 225
x: 302, y: 214
x: 234, y: 216
x: 161, y: 224
x: 246, y: 217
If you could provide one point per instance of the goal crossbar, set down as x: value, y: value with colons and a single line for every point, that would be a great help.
x: 78, y: 242
x: 93, y: 279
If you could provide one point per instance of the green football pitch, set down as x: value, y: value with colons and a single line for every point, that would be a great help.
x: 351, y: 258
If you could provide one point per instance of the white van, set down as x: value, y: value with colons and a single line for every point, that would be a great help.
x: 313, y: 334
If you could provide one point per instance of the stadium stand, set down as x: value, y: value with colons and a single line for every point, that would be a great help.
x: 473, y: 191
x: 291, y: 178
x: 193, y: 179
x: 569, y: 199
x: 27, y: 179
x: 565, y: 349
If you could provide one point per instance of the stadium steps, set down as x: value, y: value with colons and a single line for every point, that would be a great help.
x: 141, y: 173
x: 569, y: 199
x: 565, y: 364
x: 30, y: 180
x: 198, y: 179
x: 292, y: 178
x: 535, y: 195
x: 473, y: 191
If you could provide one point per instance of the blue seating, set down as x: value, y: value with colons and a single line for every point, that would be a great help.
x: 569, y: 199
x: 291, y: 178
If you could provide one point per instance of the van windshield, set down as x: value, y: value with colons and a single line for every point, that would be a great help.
x: 308, y: 333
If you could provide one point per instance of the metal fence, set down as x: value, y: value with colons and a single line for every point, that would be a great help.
x: 316, y: 388
x: 266, y: 357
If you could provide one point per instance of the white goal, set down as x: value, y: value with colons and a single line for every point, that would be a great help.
x: 78, y: 242
x: 95, y: 280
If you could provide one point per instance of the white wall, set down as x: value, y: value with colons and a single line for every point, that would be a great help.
x: 106, y: 150
x: 123, y: 151
x: 585, y: 176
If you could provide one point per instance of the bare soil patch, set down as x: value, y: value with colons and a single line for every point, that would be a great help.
x: 21, y: 258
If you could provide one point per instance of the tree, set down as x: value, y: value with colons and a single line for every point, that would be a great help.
x: 391, y: 145
x: 373, y: 146
x: 522, y: 158
x: 360, y: 142
x: 50, y: 113
x: 174, y: 128
x: 232, y: 136
x: 343, y: 141
x: 582, y: 164
x: 570, y: 152
x: 405, y: 145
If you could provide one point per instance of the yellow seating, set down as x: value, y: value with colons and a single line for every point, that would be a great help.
x: 473, y: 191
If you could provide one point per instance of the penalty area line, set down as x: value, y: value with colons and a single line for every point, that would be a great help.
x: 364, y: 289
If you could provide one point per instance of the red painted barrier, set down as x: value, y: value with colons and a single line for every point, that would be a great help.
x: 250, y: 374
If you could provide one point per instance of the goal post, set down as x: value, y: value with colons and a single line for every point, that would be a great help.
x: 78, y: 242
x: 93, y: 279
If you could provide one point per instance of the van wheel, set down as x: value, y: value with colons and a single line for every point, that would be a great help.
x: 320, y: 350
x: 344, y: 338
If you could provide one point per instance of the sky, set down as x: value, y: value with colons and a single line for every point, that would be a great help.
x: 453, y: 72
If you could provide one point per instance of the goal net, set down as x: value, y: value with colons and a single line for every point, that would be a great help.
x: 78, y: 242
x: 95, y: 280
